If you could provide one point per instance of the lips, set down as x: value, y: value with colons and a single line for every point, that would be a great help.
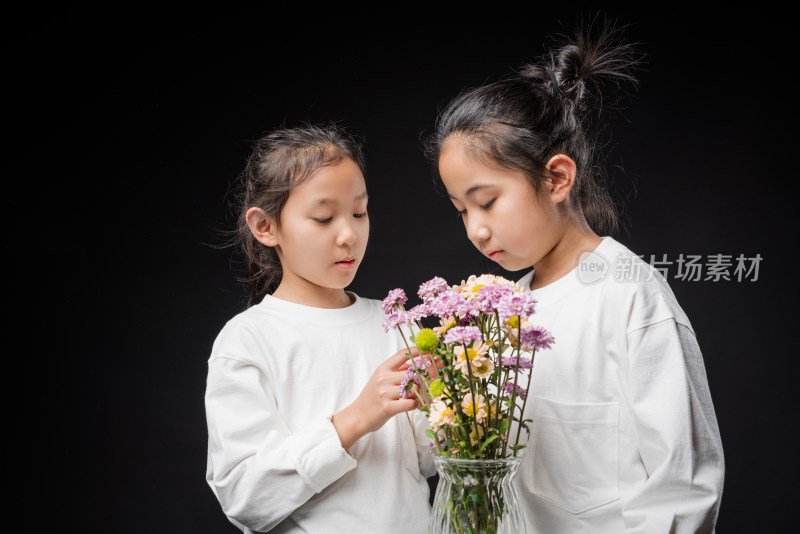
x: 346, y: 263
x: 495, y: 254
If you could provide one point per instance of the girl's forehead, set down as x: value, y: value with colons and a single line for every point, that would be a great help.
x: 333, y: 182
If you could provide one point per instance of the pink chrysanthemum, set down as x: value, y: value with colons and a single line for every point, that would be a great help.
x: 432, y: 288
x: 468, y: 309
x: 520, y: 304
x: 395, y: 299
x: 462, y: 334
x: 489, y: 297
x: 419, y: 311
x: 393, y: 320
x: 445, y: 304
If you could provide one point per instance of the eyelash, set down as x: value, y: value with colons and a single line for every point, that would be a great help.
x: 329, y: 219
x: 486, y: 206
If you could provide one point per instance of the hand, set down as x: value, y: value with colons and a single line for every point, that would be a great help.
x: 378, y: 402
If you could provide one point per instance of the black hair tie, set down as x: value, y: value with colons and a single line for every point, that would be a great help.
x: 556, y: 88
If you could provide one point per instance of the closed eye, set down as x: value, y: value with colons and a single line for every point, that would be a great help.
x: 488, y: 204
x: 324, y: 221
x: 461, y: 213
x: 360, y: 215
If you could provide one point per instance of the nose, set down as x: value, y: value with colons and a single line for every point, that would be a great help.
x: 346, y: 235
x: 477, y: 229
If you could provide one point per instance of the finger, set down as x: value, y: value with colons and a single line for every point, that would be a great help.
x: 404, y: 405
x: 397, y: 359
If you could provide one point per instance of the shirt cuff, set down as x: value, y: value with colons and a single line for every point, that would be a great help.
x: 318, y: 455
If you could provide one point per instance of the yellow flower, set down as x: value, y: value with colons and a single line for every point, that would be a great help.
x: 512, y: 326
x: 482, y: 367
x: 473, y: 437
x: 477, y: 409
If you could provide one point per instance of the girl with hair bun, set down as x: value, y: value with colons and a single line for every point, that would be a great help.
x: 623, y: 434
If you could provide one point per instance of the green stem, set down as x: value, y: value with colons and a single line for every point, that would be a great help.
x: 500, y: 372
x: 513, y: 404
x: 474, y: 401
x: 525, y: 400
x: 447, y: 372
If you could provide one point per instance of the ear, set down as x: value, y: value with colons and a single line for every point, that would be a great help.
x: 562, y: 173
x: 263, y: 227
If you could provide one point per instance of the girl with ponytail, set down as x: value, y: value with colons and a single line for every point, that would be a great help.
x: 622, y: 434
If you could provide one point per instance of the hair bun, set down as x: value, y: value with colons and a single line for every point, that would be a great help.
x: 579, y: 67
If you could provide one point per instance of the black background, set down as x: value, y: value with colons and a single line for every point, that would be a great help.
x: 125, y: 133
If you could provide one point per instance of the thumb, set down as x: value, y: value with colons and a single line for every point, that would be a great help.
x: 405, y: 405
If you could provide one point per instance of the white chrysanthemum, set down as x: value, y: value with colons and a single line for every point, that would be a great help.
x: 482, y: 367
x: 441, y: 415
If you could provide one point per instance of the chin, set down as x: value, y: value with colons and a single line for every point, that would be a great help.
x: 513, y: 266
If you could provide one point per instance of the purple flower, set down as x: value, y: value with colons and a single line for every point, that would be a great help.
x: 521, y: 391
x: 411, y: 376
x: 395, y: 299
x: 515, y: 303
x: 462, y: 334
x: 395, y: 319
x: 536, y: 338
x: 432, y: 288
x: 489, y: 297
x: 511, y: 361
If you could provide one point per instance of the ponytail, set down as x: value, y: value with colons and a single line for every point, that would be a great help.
x: 549, y: 107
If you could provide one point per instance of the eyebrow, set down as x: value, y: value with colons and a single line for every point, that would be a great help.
x: 472, y: 190
x: 332, y: 201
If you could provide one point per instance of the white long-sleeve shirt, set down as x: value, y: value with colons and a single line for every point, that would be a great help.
x: 624, y: 437
x: 277, y: 373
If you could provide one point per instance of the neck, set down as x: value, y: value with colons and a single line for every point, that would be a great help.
x: 565, y: 255
x: 315, y: 297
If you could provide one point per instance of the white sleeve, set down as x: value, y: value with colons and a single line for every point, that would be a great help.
x: 424, y: 454
x: 259, y: 470
x: 678, y: 436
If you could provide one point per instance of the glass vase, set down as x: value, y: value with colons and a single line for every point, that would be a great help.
x: 476, y: 496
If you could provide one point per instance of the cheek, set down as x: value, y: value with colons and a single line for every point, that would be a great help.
x: 363, y: 233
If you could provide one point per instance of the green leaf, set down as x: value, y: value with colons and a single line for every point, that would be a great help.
x: 488, y: 441
x: 431, y: 434
x: 504, y: 426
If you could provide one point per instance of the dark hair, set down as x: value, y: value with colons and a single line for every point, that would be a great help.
x: 543, y: 109
x: 280, y: 161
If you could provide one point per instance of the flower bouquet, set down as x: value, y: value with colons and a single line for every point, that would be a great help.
x: 476, y: 396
